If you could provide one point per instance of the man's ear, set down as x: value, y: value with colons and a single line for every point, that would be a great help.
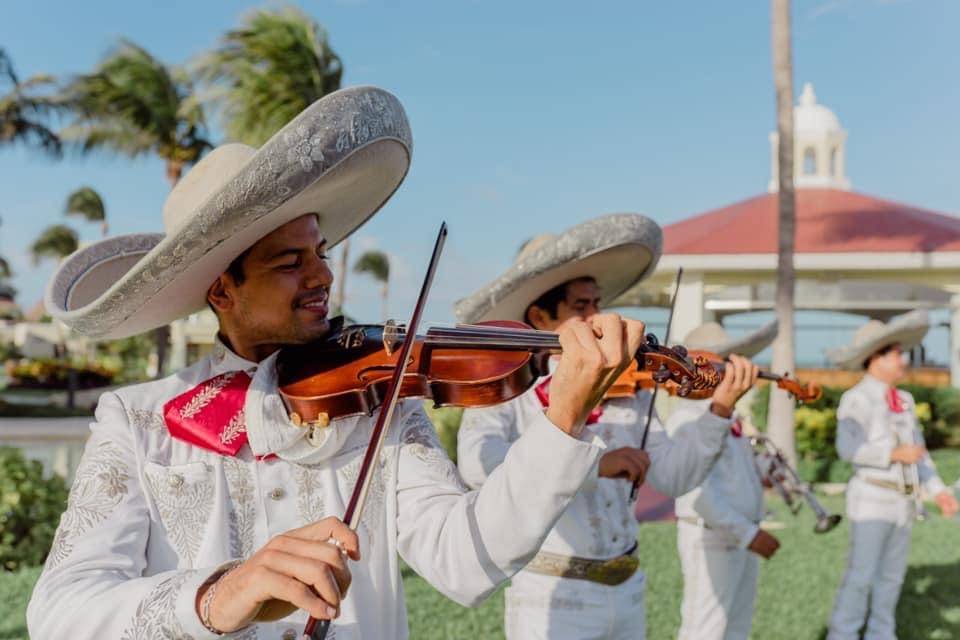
x: 538, y: 318
x: 219, y: 294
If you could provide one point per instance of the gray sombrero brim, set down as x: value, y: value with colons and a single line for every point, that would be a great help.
x: 907, y: 330
x: 617, y: 250
x: 343, y: 158
x: 747, y: 345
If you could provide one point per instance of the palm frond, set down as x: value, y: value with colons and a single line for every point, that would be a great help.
x: 25, y: 110
x: 57, y: 241
x: 375, y: 263
x: 5, y: 270
x: 132, y: 104
x: 267, y: 71
x: 87, y: 203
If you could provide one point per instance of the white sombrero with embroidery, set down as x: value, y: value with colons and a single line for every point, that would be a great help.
x: 907, y: 330
x: 711, y: 336
x: 342, y: 158
x: 616, y: 250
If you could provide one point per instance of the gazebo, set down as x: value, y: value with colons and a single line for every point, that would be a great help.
x: 854, y: 252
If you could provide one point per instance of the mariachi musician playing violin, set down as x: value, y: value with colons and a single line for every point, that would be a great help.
x: 585, y: 581
x: 201, y: 508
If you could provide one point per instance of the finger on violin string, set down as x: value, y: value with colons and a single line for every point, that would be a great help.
x: 609, y: 338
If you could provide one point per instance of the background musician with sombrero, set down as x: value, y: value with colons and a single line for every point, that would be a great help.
x: 585, y: 581
x: 877, y: 432
x: 200, y: 508
x: 719, y: 537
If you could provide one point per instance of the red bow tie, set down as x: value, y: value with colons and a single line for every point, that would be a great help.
x: 543, y: 393
x: 211, y: 414
x: 894, y: 402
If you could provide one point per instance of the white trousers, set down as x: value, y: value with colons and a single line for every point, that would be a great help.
x: 880, y: 526
x: 719, y: 585
x: 542, y: 607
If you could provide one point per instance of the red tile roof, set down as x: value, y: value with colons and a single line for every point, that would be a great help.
x: 828, y: 221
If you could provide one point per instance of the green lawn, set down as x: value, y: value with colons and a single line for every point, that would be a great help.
x: 796, y: 587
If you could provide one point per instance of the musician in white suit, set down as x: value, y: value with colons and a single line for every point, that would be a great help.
x: 877, y: 431
x: 718, y: 531
x: 586, y: 581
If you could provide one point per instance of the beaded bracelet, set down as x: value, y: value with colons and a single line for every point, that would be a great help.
x: 214, y: 582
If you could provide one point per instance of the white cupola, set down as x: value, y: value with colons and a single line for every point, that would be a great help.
x: 819, y: 147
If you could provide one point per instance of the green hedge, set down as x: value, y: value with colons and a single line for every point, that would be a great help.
x: 30, y: 508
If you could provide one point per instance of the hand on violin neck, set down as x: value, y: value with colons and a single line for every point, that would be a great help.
x: 594, y: 353
x: 739, y: 375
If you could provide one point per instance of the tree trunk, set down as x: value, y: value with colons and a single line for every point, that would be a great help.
x: 384, y: 293
x: 780, y: 420
x: 341, y: 293
x: 174, y: 171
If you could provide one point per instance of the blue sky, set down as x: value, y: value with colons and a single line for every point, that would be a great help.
x: 530, y: 117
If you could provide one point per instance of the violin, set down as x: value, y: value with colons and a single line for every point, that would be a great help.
x: 699, y: 373
x: 347, y: 372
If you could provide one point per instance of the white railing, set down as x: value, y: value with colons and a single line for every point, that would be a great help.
x: 55, y: 442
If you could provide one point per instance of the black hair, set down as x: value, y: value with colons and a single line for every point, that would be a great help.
x: 235, y: 271
x: 550, y: 301
x: 879, y: 353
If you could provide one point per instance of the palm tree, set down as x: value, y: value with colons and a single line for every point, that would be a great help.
x: 377, y: 264
x: 133, y: 104
x: 57, y: 241
x: 5, y: 270
x: 780, y: 418
x: 23, y: 110
x: 87, y: 203
x: 266, y: 72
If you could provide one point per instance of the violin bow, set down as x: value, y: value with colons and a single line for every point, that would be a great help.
x: 317, y: 629
x: 653, y: 396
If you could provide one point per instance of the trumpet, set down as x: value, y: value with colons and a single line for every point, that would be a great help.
x: 910, y: 476
x: 773, y: 468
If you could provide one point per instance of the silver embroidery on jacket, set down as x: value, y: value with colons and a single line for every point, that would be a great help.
x: 243, y: 510
x: 156, y: 614
x: 184, y: 507
x: 419, y: 438
x: 99, y: 487
x: 146, y: 420
x: 310, y: 502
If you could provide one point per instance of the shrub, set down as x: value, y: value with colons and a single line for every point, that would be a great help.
x: 30, y: 508
x: 446, y: 420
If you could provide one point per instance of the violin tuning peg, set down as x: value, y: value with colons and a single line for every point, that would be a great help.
x: 681, y: 351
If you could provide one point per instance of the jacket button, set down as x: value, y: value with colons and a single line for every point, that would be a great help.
x: 277, y: 494
x: 289, y: 634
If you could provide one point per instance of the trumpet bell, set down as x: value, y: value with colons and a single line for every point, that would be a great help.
x: 827, y: 523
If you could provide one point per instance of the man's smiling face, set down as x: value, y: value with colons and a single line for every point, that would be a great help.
x: 280, y: 292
